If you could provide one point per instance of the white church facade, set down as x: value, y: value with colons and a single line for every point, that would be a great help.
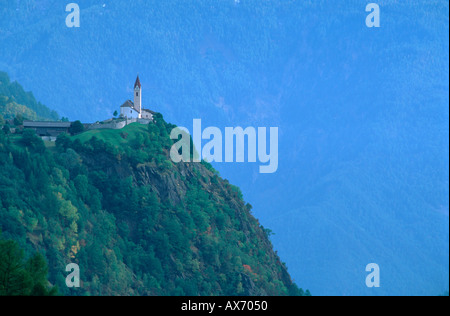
x: 134, y: 110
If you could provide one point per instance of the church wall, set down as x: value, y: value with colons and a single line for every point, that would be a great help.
x: 129, y: 112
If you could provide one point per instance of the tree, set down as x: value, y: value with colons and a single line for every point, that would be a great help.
x: 30, y: 139
x: 13, y: 278
x: 18, y: 120
x: 37, y: 268
x: 6, y: 129
x: 115, y: 114
x: 76, y: 128
x: 18, y: 278
x: 63, y: 141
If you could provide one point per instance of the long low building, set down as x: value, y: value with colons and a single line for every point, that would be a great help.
x: 49, y: 129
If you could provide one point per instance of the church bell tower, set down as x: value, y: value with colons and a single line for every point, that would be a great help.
x: 138, y: 96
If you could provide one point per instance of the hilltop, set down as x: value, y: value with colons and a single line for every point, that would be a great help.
x: 136, y: 223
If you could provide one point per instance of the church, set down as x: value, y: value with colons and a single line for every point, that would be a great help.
x: 134, y: 110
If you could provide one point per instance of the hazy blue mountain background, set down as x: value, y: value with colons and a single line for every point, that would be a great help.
x: 363, y: 114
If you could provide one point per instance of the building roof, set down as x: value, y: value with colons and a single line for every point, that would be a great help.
x: 37, y: 124
x: 147, y: 110
x: 127, y: 104
x: 137, y: 83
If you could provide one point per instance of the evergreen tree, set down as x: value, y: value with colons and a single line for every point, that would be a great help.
x: 19, y: 278
x: 14, y: 280
x: 76, y: 128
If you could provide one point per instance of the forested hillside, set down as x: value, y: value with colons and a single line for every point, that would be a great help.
x: 16, y: 102
x: 135, y: 223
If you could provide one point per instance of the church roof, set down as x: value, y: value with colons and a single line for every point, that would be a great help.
x: 127, y: 104
x: 137, y: 83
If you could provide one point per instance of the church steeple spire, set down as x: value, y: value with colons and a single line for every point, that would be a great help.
x: 137, y: 83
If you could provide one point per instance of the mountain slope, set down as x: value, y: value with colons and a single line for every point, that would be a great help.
x: 15, y: 101
x: 134, y: 222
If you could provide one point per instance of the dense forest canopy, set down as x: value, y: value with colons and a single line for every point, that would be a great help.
x: 136, y: 223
